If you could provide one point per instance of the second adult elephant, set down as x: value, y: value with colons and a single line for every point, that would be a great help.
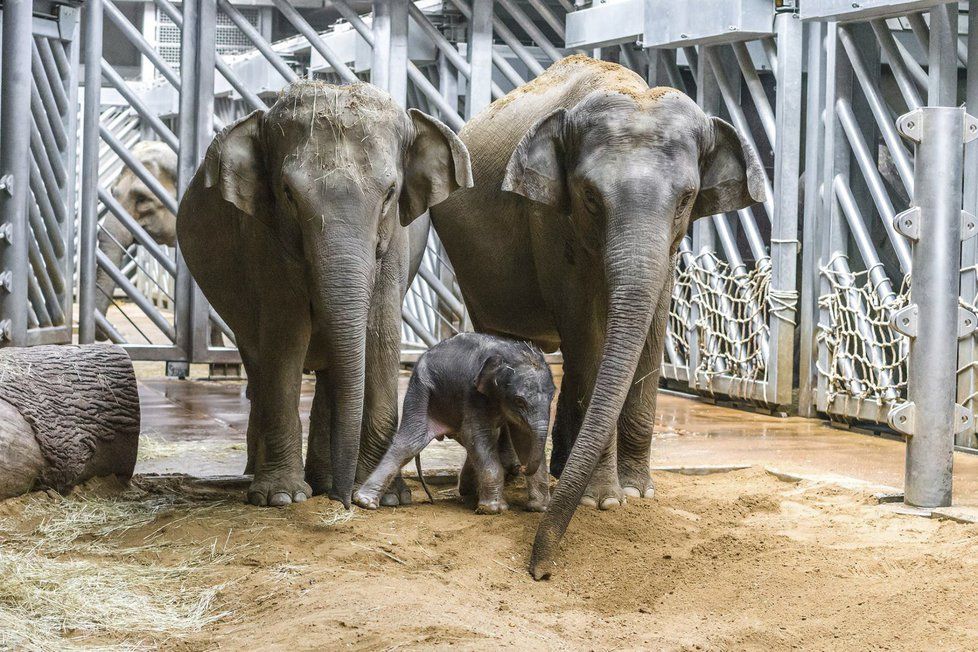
x: 294, y: 229
x: 585, y: 182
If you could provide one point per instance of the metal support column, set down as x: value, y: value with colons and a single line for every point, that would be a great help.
x: 15, y: 157
x: 931, y: 417
x: 397, y: 72
x: 784, y: 222
x: 380, y: 58
x: 967, y: 350
x: 479, y: 56
x: 89, y: 172
x: 933, y: 321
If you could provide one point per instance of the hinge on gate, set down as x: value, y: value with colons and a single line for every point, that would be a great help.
x: 969, y: 225
x: 970, y: 127
x: 7, y: 232
x: 909, y: 125
x: 907, y: 223
x: 901, y: 418
x: 967, y: 321
x: 904, y: 320
x: 7, y: 184
x: 7, y: 280
x: 6, y: 330
x: 786, y: 6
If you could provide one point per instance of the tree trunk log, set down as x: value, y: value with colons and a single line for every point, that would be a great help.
x: 67, y: 414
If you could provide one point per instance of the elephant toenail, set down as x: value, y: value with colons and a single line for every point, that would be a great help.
x: 389, y: 500
x: 649, y: 493
x: 300, y: 497
x: 610, y: 503
x: 631, y: 491
x: 588, y: 501
x: 280, y: 499
x: 257, y: 499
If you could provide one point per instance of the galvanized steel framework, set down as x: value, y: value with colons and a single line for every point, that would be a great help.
x: 819, y: 93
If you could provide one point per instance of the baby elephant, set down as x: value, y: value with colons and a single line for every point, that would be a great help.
x: 490, y: 394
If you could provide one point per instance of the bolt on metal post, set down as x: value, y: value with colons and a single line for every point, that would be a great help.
x: 934, y: 321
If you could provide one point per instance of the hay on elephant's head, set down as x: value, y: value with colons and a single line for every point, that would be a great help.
x: 67, y: 582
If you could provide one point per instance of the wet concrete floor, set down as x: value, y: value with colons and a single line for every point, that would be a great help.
x: 198, y: 427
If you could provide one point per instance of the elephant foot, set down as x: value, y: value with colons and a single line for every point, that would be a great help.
x: 537, y: 504
x: 397, y: 494
x: 604, y: 494
x: 491, y: 507
x: 637, y: 485
x: 278, y: 489
x: 366, y: 498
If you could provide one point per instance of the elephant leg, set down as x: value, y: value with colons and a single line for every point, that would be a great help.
x: 251, y: 369
x: 410, y: 440
x: 637, y: 418
x: 383, y: 350
x: 538, y: 484
x: 275, y: 407
x: 318, y: 465
x: 468, y: 484
x: 489, y: 472
x: 507, y: 453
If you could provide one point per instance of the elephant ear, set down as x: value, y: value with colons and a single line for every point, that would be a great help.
x: 731, y: 176
x: 485, y: 379
x: 436, y: 164
x: 536, y: 168
x: 234, y: 164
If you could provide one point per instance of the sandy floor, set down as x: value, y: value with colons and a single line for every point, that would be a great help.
x: 738, y: 560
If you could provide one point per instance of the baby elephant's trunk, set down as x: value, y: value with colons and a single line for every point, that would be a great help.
x: 537, y: 454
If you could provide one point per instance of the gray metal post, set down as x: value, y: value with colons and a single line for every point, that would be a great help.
x: 814, y: 151
x: 479, y: 56
x: 967, y: 350
x: 89, y: 171
x: 380, y: 59
x: 397, y: 80
x: 931, y: 417
x: 784, y: 222
x: 15, y: 156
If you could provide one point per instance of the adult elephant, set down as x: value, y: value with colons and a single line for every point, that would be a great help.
x: 114, y: 239
x: 585, y: 182
x: 294, y: 229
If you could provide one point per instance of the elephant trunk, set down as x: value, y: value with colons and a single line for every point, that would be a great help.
x: 636, y: 265
x: 538, y: 450
x: 114, y: 240
x: 342, y: 286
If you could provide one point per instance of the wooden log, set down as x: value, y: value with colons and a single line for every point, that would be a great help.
x: 67, y: 414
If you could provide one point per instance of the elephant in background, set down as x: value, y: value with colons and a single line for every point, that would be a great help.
x: 586, y: 181
x: 114, y: 239
x: 294, y: 228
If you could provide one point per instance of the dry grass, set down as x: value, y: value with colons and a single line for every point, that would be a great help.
x: 155, y: 447
x: 336, y: 515
x: 70, y: 581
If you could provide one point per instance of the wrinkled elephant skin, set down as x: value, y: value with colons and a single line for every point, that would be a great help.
x: 585, y: 183
x: 294, y: 228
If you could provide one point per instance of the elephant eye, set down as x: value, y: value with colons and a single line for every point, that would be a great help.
x: 684, y: 203
x: 591, y: 201
x: 288, y: 195
x: 390, y: 194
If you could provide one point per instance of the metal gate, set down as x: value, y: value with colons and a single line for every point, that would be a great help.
x: 37, y: 172
x: 731, y: 327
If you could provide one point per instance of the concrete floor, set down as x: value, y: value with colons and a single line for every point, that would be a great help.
x: 198, y: 427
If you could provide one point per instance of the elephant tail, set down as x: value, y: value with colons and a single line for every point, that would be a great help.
x: 424, y: 484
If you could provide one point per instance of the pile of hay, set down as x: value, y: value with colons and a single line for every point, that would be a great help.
x: 71, y: 578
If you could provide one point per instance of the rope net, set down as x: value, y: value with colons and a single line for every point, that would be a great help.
x: 867, y: 359
x: 731, y: 308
